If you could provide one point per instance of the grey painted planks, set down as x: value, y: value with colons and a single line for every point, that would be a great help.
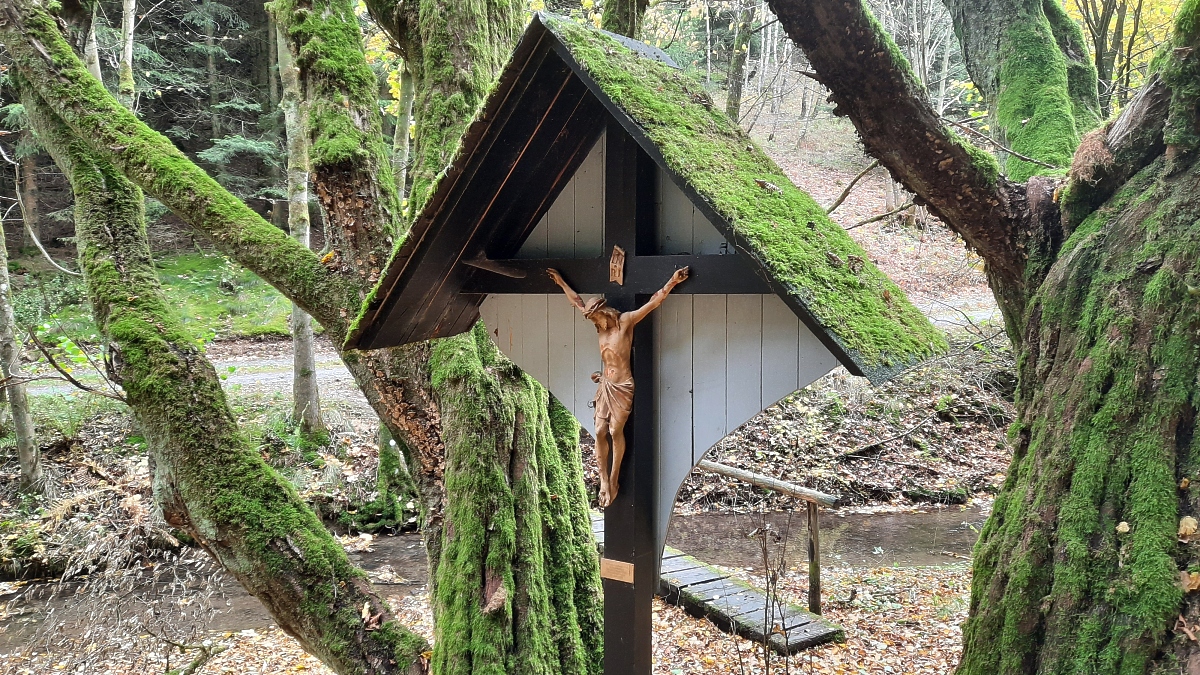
x: 722, y: 359
x: 682, y: 228
x: 574, y: 225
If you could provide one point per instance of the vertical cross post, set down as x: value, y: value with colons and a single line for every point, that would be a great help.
x: 629, y: 522
x: 814, y: 559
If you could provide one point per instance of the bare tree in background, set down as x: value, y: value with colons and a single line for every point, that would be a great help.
x: 306, y: 407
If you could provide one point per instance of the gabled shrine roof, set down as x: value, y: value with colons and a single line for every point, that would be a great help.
x: 807, y: 259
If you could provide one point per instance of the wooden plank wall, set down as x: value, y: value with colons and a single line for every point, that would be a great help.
x: 574, y: 225
x: 723, y: 358
x: 682, y: 228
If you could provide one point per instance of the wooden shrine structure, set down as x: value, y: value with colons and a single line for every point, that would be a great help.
x: 593, y: 142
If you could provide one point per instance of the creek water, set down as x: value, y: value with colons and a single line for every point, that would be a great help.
x: 935, y: 537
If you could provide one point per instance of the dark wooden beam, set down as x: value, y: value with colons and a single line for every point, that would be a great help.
x: 523, y: 147
x: 710, y: 274
x: 385, y: 326
x: 629, y: 523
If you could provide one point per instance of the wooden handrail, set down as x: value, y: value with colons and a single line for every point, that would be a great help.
x: 769, y: 483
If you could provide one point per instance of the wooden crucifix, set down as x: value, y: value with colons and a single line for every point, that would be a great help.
x: 614, y: 380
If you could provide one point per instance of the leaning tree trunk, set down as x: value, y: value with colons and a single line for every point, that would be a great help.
x: 209, y: 481
x: 306, y: 400
x: 506, y: 525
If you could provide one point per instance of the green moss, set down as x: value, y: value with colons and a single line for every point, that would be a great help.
x: 773, y: 220
x: 518, y: 518
x: 1056, y: 587
x: 1082, y: 78
x: 464, y: 46
x: 1181, y: 72
x: 1034, y: 106
x: 985, y: 162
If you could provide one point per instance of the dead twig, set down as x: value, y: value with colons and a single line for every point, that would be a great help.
x: 1000, y: 146
x: 206, y: 652
x: 908, y: 205
x: 62, y: 371
x: 850, y: 188
x: 857, y: 452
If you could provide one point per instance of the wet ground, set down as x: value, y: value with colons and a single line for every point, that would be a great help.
x: 398, y: 564
x: 921, y: 539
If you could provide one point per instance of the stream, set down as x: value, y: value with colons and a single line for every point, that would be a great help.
x: 398, y: 564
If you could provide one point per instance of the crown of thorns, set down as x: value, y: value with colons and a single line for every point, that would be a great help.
x: 594, y: 305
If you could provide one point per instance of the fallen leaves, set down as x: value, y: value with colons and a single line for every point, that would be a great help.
x: 1190, y: 581
x: 1187, y: 527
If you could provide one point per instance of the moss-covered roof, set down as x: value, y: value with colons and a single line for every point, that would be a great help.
x: 779, y: 225
x: 810, y: 261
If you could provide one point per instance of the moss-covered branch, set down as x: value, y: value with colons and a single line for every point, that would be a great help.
x: 149, y: 159
x: 208, y: 479
x: 872, y: 84
x: 1028, y: 60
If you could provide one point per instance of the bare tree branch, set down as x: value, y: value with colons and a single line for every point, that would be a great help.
x: 850, y: 188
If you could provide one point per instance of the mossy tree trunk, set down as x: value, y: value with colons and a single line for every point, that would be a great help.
x: 737, y: 62
x: 515, y: 579
x: 624, y: 17
x: 1078, y: 570
x: 208, y: 479
x: 306, y: 399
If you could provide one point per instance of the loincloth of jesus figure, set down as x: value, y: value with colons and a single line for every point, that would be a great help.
x: 614, y: 391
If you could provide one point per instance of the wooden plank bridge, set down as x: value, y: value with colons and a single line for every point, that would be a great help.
x: 733, y: 605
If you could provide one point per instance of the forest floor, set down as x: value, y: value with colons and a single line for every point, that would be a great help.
x: 932, y: 440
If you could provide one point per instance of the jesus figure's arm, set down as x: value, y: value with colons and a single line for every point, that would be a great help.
x: 657, y: 299
x: 571, y: 294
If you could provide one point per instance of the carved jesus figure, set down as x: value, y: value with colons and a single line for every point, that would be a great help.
x: 614, y: 394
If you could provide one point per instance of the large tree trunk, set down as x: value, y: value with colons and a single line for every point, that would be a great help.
x: 515, y: 578
x: 1042, y: 97
x: 1079, y: 568
x: 624, y: 17
x: 208, y: 480
x: 306, y: 400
